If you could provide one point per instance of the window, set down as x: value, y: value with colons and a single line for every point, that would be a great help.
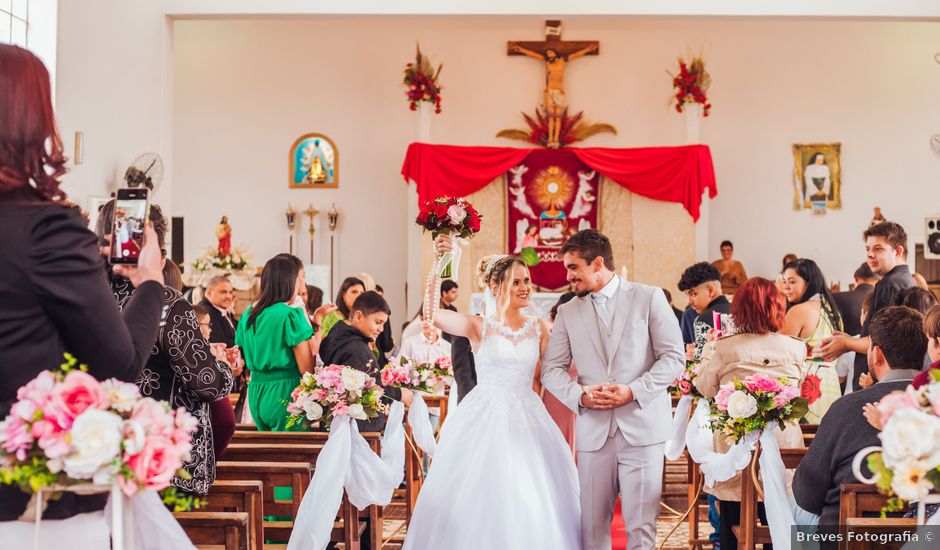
x: 14, y: 22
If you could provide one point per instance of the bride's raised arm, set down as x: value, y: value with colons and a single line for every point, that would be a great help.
x: 451, y: 322
x: 459, y: 324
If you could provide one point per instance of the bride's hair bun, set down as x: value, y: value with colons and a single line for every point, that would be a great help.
x: 491, y: 269
x: 485, y: 268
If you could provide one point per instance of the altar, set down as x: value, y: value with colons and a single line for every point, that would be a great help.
x: 645, y: 200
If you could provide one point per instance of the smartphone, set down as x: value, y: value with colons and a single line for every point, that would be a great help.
x: 131, y: 215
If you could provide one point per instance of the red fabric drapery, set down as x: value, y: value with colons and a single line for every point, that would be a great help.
x: 675, y: 174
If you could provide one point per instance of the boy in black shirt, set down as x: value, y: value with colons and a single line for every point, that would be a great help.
x: 701, y: 283
x: 349, y: 344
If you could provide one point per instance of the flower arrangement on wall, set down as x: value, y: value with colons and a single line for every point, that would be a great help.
x: 691, y: 85
x: 421, y: 82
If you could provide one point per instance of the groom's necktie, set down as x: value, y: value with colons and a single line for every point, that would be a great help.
x: 600, y: 306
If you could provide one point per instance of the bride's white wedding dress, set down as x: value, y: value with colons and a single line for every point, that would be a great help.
x: 502, y: 475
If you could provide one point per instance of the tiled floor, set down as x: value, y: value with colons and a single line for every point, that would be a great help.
x: 676, y: 541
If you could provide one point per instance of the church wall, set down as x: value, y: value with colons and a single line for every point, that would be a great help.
x: 245, y: 89
x: 113, y: 83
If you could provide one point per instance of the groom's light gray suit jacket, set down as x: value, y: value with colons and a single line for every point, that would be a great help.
x: 644, y: 351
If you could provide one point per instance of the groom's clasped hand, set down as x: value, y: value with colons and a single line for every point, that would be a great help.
x: 606, y: 396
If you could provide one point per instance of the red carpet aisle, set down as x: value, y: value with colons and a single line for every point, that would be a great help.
x: 618, y: 532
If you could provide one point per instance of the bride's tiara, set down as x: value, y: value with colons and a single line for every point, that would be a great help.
x: 488, y: 270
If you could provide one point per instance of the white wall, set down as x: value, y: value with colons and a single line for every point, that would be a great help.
x: 872, y: 87
x: 112, y: 83
x: 245, y: 89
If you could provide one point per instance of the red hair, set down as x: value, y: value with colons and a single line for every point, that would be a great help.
x: 31, y: 159
x: 758, y: 307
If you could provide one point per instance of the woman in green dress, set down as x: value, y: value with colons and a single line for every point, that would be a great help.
x: 351, y: 288
x: 275, y: 340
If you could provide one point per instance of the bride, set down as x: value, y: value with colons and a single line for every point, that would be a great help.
x: 502, y: 476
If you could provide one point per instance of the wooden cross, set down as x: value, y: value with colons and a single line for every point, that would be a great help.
x: 555, y: 53
x: 554, y: 42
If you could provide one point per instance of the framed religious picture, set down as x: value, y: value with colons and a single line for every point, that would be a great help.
x: 817, y: 176
x: 314, y: 163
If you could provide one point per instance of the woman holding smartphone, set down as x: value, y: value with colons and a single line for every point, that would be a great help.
x: 54, y: 295
x: 182, y: 368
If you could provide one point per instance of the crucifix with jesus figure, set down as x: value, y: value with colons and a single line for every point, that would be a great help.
x: 555, y: 53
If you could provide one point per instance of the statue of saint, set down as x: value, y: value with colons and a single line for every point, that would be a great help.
x: 554, y: 98
x: 223, y: 232
x: 316, y: 174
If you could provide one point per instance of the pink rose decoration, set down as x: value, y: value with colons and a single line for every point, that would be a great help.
x: 77, y: 393
x: 893, y: 402
x: 340, y: 409
x: 16, y: 437
x: 38, y: 389
x: 52, y: 439
x: 154, y: 417
x: 721, y: 398
x: 153, y: 467
x: 764, y: 383
x: 685, y: 387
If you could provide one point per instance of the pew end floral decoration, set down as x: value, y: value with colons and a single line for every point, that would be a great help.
x: 754, y: 404
x: 427, y: 377
x: 67, y: 428
x: 907, y: 465
x: 333, y: 391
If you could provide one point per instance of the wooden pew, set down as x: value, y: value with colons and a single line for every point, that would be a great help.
x: 695, y: 499
x: 749, y: 533
x: 374, y: 439
x: 877, y: 526
x: 414, y: 457
x: 240, y: 496
x: 215, y: 530
x: 273, y: 452
x: 809, y: 433
x: 295, y: 475
x: 860, y: 507
x: 859, y: 500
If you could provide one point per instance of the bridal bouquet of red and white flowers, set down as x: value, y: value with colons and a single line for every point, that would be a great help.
x: 753, y: 404
x: 428, y: 377
x: 452, y: 216
x: 67, y: 428
x: 332, y: 391
x: 449, y: 215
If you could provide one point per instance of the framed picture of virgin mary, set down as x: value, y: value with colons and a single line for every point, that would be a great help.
x: 314, y: 162
x: 817, y: 176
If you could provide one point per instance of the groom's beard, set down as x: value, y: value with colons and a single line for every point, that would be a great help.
x: 583, y: 293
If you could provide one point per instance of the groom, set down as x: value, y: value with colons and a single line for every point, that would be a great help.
x: 627, y: 347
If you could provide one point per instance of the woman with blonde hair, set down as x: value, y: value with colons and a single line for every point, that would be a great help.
x: 499, y: 451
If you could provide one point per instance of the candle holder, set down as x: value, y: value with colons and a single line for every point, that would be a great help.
x: 311, y: 212
x: 333, y: 219
x: 291, y: 223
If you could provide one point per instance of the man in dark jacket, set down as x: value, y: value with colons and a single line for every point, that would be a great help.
x: 886, y: 249
x: 465, y: 372
x: 850, y: 303
x: 218, y: 301
x: 895, y: 355
x: 349, y: 344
